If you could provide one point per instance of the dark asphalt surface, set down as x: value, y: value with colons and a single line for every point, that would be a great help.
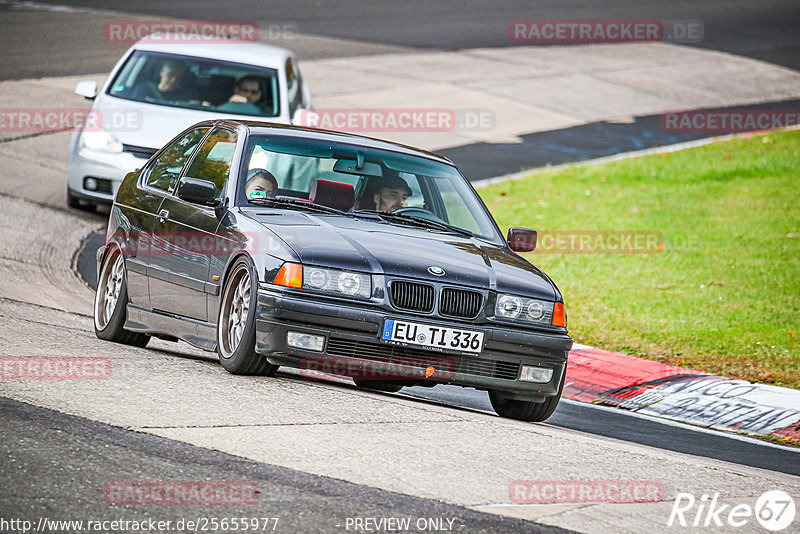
x: 766, y: 29
x: 56, y: 466
x: 53, y: 464
x: 58, y: 44
x: 45, y: 44
x: 615, y: 423
x: 612, y: 423
x: 569, y: 145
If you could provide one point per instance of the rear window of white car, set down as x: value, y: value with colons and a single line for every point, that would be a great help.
x: 199, y: 84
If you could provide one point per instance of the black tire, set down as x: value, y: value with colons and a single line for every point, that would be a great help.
x: 236, y: 351
x: 75, y: 202
x: 534, y: 412
x: 109, y: 317
x: 379, y: 385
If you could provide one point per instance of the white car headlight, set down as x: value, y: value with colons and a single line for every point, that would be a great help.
x: 509, y: 306
x: 100, y: 140
x: 524, y: 309
x: 335, y: 282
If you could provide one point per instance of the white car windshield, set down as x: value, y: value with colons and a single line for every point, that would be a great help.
x: 358, y: 179
x: 198, y: 83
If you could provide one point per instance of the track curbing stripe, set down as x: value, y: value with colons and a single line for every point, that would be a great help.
x: 613, y: 379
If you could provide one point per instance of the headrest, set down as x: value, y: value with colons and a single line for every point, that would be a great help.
x: 332, y: 194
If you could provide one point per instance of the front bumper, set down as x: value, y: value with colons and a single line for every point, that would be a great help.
x: 353, y: 347
x: 114, y: 167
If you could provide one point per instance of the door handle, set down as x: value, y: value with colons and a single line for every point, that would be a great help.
x: 162, y: 215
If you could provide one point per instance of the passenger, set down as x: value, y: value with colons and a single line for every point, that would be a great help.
x: 247, y: 98
x: 260, y: 184
x: 392, y: 194
x: 248, y: 89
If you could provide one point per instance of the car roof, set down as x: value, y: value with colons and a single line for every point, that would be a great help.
x: 237, y: 51
x: 270, y: 128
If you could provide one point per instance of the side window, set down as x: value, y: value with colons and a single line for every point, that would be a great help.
x: 166, y: 169
x: 294, y: 87
x: 213, y: 161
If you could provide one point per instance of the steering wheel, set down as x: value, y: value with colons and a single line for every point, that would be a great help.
x: 422, y: 213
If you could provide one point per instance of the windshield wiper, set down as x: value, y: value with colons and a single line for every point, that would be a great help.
x: 291, y: 202
x: 418, y: 221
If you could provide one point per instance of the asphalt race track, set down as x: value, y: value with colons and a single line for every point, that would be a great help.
x: 598, y: 420
x: 324, y: 454
x: 764, y: 30
x: 326, y: 502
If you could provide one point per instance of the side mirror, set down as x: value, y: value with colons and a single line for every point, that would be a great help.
x: 521, y: 239
x: 87, y: 89
x: 197, y: 191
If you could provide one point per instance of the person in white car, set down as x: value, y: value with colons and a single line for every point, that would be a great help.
x: 171, y: 86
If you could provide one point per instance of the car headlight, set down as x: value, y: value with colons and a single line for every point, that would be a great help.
x: 100, y: 140
x: 509, y: 306
x: 330, y: 281
x: 527, y: 310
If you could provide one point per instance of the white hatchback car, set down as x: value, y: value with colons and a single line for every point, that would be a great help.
x: 158, y: 89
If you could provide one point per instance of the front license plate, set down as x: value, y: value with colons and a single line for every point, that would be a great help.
x: 437, y: 337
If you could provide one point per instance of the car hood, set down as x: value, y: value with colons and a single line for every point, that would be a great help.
x: 150, y: 125
x: 369, y: 246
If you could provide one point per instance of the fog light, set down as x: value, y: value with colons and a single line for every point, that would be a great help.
x: 299, y: 340
x: 90, y: 184
x: 540, y: 375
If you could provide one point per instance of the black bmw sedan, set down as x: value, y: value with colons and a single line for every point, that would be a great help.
x: 335, y: 254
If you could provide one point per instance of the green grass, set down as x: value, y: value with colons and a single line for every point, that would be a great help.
x: 723, y: 296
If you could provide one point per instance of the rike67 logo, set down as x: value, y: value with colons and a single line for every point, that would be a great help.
x: 774, y: 511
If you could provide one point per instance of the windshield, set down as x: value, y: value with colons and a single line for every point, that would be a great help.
x: 355, y: 179
x: 198, y: 83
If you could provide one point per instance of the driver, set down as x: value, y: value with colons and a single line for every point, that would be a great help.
x: 392, y: 194
x: 171, y: 84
